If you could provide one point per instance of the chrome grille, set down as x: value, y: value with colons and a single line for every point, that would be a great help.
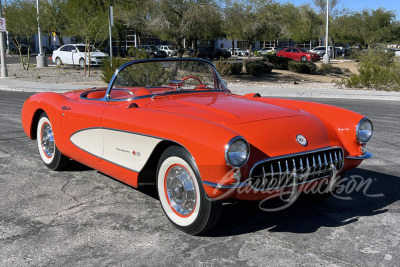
x: 279, y: 172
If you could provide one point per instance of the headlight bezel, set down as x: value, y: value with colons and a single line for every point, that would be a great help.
x: 363, y: 120
x: 229, y: 145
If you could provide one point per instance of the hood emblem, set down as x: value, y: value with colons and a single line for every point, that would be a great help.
x: 301, y: 140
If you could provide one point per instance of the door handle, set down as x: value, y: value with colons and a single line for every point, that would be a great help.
x: 65, y: 108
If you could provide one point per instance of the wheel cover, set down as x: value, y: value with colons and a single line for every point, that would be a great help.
x: 47, y: 140
x: 180, y: 190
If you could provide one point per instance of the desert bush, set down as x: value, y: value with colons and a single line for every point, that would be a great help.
x: 223, y: 67
x: 254, y: 67
x: 378, y: 70
x: 328, y: 68
x: 302, y: 67
x: 278, y: 62
x: 108, y: 71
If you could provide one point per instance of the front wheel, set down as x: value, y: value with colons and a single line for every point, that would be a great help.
x: 58, y: 61
x: 48, y: 150
x: 304, y: 58
x: 182, y: 195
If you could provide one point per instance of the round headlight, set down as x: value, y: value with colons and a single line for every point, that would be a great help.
x: 364, y: 130
x: 237, y: 152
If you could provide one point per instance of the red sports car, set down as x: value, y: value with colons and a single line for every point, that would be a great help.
x: 175, y: 124
x: 298, y: 54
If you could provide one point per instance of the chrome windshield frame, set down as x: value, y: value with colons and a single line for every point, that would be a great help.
x: 113, y: 78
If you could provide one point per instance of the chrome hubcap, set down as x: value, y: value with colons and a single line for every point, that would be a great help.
x: 180, y: 190
x: 47, y: 140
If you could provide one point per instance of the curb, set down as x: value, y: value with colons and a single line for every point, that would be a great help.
x: 310, y: 90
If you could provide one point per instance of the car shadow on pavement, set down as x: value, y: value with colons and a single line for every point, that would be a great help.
x: 306, y: 216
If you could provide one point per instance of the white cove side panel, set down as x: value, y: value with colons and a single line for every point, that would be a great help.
x: 127, y: 149
x: 90, y: 140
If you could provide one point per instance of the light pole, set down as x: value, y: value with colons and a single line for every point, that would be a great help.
x: 4, y: 71
x: 326, y: 58
x: 41, y: 60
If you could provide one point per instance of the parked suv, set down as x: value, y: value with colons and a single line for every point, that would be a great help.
x: 320, y: 50
x: 74, y: 54
x: 169, y: 50
x: 152, y: 51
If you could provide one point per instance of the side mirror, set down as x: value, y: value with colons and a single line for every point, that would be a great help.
x: 73, y: 50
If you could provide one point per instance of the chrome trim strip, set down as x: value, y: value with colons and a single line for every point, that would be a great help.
x: 367, y: 155
x: 219, y: 186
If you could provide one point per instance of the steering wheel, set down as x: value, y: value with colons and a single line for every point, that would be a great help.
x: 194, y: 78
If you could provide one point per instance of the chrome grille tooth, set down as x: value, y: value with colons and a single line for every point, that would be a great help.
x: 314, y: 166
x: 336, y: 161
x: 272, y: 171
x: 301, y: 166
x: 340, y: 160
x: 326, y: 163
x: 319, y: 163
x: 280, y: 169
x: 287, y: 167
x: 294, y: 166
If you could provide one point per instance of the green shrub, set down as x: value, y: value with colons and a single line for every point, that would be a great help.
x: 278, y: 62
x: 237, y: 68
x: 268, y: 67
x: 254, y: 67
x: 302, y: 67
x: 257, y: 53
x: 108, y: 71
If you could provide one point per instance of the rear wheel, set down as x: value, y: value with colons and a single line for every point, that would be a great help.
x: 182, y: 195
x: 48, y: 150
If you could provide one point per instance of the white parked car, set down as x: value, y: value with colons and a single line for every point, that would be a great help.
x: 169, y: 50
x: 266, y: 50
x: 74, y: 54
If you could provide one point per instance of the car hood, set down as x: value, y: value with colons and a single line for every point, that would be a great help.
x: 98, y: 54
x: 222, y: 108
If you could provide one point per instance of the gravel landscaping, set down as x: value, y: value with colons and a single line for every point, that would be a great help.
x: 56, y: 74
x: 277, y: 79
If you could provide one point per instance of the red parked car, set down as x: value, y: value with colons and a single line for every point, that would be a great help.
x: 299, y: 54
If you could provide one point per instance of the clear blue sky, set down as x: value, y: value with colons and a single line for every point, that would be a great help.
x: 357, y: 5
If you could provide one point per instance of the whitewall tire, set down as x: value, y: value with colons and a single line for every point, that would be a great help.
x: 182, y: 195
x: 48, y: 150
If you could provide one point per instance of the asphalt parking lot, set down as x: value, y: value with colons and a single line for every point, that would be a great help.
x: 80, y: 217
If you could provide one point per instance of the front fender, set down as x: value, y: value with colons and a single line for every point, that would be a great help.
x: 341, y: 123
x: 33, y: 107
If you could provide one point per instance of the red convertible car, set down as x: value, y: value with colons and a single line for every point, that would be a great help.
x: 174, y: 123
x: 298, y: 54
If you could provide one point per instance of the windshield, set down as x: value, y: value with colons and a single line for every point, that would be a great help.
x: 303, y: 49
x: 150, y: 78
x: 154, y: 48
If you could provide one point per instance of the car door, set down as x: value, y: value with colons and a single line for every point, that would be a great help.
x: 81, y: 127
x: 63, y: 54
x: 296, y: 54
